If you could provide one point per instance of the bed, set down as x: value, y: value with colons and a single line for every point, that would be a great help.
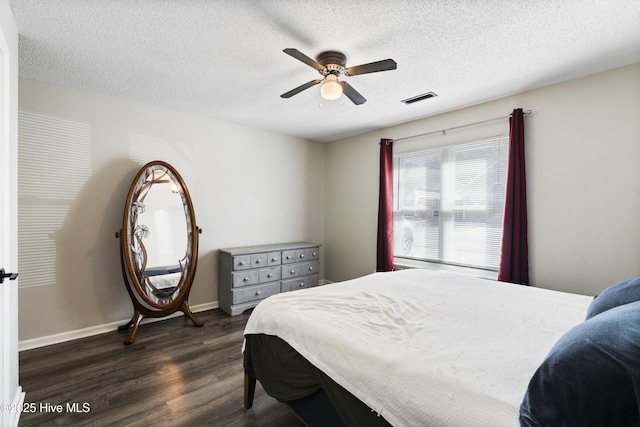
x: 164, y: 277
x: 421, y: 347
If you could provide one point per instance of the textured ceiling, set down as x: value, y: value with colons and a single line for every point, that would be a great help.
x: 224, y: 58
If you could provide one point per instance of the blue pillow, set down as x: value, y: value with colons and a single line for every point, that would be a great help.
x: 615, y: 295
x: 591, y: 375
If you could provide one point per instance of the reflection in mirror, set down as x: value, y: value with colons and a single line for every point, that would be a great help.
x: 160, y: 256
x: 159, y: 244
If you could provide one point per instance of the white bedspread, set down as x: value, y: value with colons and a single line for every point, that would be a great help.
x: 165, y: 281
x: 422, y: 347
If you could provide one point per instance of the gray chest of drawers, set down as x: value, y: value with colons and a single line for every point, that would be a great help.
x: 249, y: 274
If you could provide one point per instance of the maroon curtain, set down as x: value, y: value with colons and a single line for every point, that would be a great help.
x: 514, y: 253
x: 385, y: 208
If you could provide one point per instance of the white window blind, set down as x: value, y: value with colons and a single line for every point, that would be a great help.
x: 449, y: 203
x: 54, y: 164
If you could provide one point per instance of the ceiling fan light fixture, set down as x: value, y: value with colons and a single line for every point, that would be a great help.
x: 331, y: 89
x: 332, y: 64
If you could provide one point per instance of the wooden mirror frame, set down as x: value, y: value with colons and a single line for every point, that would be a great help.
x: 160, y: 305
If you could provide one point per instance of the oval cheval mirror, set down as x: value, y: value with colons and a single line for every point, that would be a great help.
x: 158, y: 245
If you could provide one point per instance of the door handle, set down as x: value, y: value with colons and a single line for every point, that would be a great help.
x: 10, y: 276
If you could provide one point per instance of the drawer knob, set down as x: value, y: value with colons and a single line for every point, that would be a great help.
x: 258, y: 293
x: 246, y: 279
x: 314, y: 254
x: 301, y: 284
x: 242, y: 262
x: 274, y: 259
x: 310, y: 268
x: 288, y: 256
x: 258, y: 261
x: 269, y: 275
x: 301, y: 255
x: 292, y: 272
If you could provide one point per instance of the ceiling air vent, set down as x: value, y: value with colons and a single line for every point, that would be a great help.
x: 419, y: 98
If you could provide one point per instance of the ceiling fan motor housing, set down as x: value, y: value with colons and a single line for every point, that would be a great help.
x: 333, y: 62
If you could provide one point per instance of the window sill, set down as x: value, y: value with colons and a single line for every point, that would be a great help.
x: 403, y: 263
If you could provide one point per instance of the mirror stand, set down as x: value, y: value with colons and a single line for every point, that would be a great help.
x: 158, y: 245
x: 141, y: 311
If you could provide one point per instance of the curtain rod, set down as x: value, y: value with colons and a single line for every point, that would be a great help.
x: 444, y: 131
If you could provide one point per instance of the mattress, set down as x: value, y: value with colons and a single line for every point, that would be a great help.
x: 421, y: 347
x: 165, y: 281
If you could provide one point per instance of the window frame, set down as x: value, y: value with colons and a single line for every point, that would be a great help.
x: 404, y: 261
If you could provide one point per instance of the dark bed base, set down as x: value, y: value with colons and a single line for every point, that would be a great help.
x: 288, y: 377
x: 315, y: 410
x: 249, y: 390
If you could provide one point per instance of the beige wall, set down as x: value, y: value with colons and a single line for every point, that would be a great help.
x: 583, y: 157
x: 248, y: 186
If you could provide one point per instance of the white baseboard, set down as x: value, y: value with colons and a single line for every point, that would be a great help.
x: 100, y: 329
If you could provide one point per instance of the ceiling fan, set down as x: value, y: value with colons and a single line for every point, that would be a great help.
x: 331, y: 65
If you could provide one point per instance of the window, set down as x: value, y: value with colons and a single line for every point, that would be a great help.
x: 449, y: 203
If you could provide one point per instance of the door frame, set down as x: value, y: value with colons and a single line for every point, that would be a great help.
x: 11, y: 394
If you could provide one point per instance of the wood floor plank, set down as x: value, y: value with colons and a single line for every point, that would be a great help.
x: 175, y: 374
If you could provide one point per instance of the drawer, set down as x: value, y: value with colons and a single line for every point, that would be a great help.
x: 307, y: 254
x: 299, y: 283
x: 245, y: 278
x: 241, y: 262
x: 300, y: 269
x: 303, y: 254
x: 255, y: 293
x: 313, y: 280
x: 312, y: 267
x: 293, y: 284
x: 268, y: 274
x: 289, y: 257
x: 274, y: 258
x: 259, y: 260
x: 293, y: 270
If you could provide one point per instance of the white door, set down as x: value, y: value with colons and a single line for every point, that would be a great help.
x: 11, y: 395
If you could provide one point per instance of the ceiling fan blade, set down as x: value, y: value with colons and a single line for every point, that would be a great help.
x: 304, y: 58
x: 372, y: 67
x: 352, y: 94
x: 300, y: 88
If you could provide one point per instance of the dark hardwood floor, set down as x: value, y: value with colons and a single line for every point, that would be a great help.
x: 175, y: 374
